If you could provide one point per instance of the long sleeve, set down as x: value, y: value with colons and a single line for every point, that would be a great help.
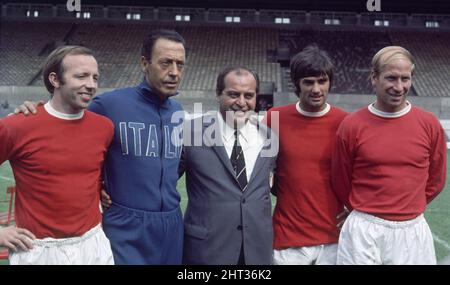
x: 437, y: 169
x: 5, y: 143
x: 341, y: 170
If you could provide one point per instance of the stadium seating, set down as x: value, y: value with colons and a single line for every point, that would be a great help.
x: 117, y: 46
x: 351, y: 52
x: 432, y: 56
x: 211, y: 48
x: 21, y: 45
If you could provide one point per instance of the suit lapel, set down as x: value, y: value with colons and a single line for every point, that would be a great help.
x: 259, y: 164
x: 223, y: 156
x: 262, y: 161
x: 220, y: 151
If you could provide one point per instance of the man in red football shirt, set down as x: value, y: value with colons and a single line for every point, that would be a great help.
x: 307, y: 213
x: 57, y: 157
x: 388, y: 165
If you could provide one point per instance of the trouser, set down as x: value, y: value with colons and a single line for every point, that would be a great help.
x: 143, y: 237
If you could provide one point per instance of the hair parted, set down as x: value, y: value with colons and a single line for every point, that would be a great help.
x: 54, y: 64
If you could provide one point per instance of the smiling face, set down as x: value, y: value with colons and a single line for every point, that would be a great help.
x: 164, y: 70
x: 392, y: 85
x: 313, y: 92
x: 74, y: 91
x: 238, y: 96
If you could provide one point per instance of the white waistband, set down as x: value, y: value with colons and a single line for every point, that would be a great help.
x: 387, y: 223
x: 54, y: 242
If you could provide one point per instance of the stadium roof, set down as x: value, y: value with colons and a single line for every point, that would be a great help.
x: 387, y: 6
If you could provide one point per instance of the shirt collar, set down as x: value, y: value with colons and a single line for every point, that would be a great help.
x: 382, y: 114
x: 53, y: 112
x: 313, y: 114
x: 228, y: 132
x: 148, y: 94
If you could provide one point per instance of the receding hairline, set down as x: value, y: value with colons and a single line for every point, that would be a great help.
x: 241, y: 72
x: 79, y: 54
x: 387, y: 55
x: 164, y: 39
x: 64, y: 60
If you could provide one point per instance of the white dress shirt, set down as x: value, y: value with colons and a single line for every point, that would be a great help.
x: 250, y: 139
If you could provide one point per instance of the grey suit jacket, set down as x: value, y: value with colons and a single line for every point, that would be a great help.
x: 220, y: 217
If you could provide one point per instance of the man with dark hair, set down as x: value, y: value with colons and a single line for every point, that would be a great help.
x: 57, y: 158
x: 228, y: 216
x: 305, y: 218
x: 144, y: 222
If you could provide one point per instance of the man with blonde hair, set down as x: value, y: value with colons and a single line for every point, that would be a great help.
x: 388, y: 164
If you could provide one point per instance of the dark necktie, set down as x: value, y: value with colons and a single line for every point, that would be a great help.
x: 238, y: 162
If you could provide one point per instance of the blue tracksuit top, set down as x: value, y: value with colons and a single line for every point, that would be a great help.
x: 142, y: 161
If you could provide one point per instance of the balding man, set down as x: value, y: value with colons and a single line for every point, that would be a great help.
x: 228, y: 217
x: 388, y: 165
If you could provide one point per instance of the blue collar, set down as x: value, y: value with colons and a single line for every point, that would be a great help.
x: 148, y: 94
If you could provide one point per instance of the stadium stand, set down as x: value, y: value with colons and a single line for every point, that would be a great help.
x: 209, y: 50
x: 21, y: 47
x: 432, y: 55
x: 260, y: 39
x: 351, y: 52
